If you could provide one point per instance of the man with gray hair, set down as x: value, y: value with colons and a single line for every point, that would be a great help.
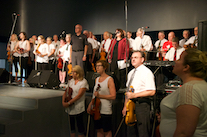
x: 142, y: 42
x: 186, y: 34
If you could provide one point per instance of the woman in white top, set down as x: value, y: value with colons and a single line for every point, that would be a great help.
x: 51, y: 48
x: 13, y: 53
x: 106, y: 94
x: 23, y: 48
x: 183, y: 113
x: 41, y: 52
x: 62, y: 51
x: 76, y: 106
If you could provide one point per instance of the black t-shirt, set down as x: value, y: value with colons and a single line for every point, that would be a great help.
x: 78, y: 42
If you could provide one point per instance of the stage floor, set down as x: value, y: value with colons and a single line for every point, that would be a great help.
x: 28, y: 92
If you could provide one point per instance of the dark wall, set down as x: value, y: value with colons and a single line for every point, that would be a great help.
x: 50, y: 17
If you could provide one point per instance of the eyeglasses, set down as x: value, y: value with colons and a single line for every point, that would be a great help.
x: 135, y: 57
x: 99, y: 65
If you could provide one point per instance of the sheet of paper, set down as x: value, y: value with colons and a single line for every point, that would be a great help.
x: 122, y: 64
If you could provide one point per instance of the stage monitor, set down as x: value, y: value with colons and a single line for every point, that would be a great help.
x: 202, y: 35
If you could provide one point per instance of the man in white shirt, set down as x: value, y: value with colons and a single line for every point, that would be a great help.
x: 142, y: 42
x: 193, y: 39
x: 174, y: 53
x: 56, y: 42
x: 186, y: 34
x: 141, y: 81
x: 159, y: 43
x: 106, y: 42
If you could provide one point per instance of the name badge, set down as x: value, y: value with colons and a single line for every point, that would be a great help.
x: 80, y: 37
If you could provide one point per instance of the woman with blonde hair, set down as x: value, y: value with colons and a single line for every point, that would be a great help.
x: 183, y: 113
x: 41, y: 52
x: 75, y: 107
x: 13, y: 54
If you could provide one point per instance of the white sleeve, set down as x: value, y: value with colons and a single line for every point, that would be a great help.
x: 148, y: 44
x: 149, y: 81
x: 167, y: 56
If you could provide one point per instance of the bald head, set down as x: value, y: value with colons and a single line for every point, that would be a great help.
x: 86, y: 32
x: 106, y: 35
x: 78, y: 29
x: 171, y: 35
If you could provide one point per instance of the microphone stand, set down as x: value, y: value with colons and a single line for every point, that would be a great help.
x: 12, y: 31
x: 126, y: 38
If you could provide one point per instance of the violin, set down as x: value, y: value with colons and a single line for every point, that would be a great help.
x: 68, y: 94
x: 69, y: 69
x: 21, y: 50
x: 160, y: 54
x: 130, y: 118
x: 103, y: 55
x: 60, y: 63
x: 37, y: 51
x: 96, y: 102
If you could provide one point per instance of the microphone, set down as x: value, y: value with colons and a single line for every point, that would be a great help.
x: 147, y: 27
x: 15, y: 14
x: 63, y: 32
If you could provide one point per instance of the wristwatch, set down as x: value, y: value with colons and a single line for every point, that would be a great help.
x: 84, y: 55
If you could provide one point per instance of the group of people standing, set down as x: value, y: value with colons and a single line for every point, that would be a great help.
x: 81, y: 50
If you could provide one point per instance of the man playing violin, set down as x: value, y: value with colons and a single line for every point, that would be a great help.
x: 142, y: 80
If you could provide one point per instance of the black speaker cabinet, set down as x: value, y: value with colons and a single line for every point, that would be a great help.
x: 202, y: 35
x: 4, y: 76
x: 46, y: 78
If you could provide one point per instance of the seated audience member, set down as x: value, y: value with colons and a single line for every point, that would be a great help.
x: 183, y: 112
x: 174, y: 53
x: 186, y: 35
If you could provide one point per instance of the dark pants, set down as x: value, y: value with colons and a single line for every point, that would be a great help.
x: 77, y: 120
x: 15, y: 61
x: 42, y: 66
x: 24, y: 66
x: 77, y: 58
x: 142, y: 128
x: 51, y: 65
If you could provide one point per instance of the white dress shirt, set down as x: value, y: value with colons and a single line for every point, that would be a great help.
x: 182, y: 42
x: 191, y: 40
x: 143, y: 79
x: 170, y: 54
x: 161, y: 44
x: 145, y: 41
x: 106, y: 44
x: 131, y: 43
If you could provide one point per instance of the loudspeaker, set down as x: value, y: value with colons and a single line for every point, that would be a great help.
x: 46, y: 78
x: 4, y: 76
x: 202, y: 35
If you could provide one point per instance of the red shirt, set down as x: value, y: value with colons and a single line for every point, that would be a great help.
x: 167, y: 45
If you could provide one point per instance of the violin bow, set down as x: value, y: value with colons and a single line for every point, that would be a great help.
x: 119, y: 126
